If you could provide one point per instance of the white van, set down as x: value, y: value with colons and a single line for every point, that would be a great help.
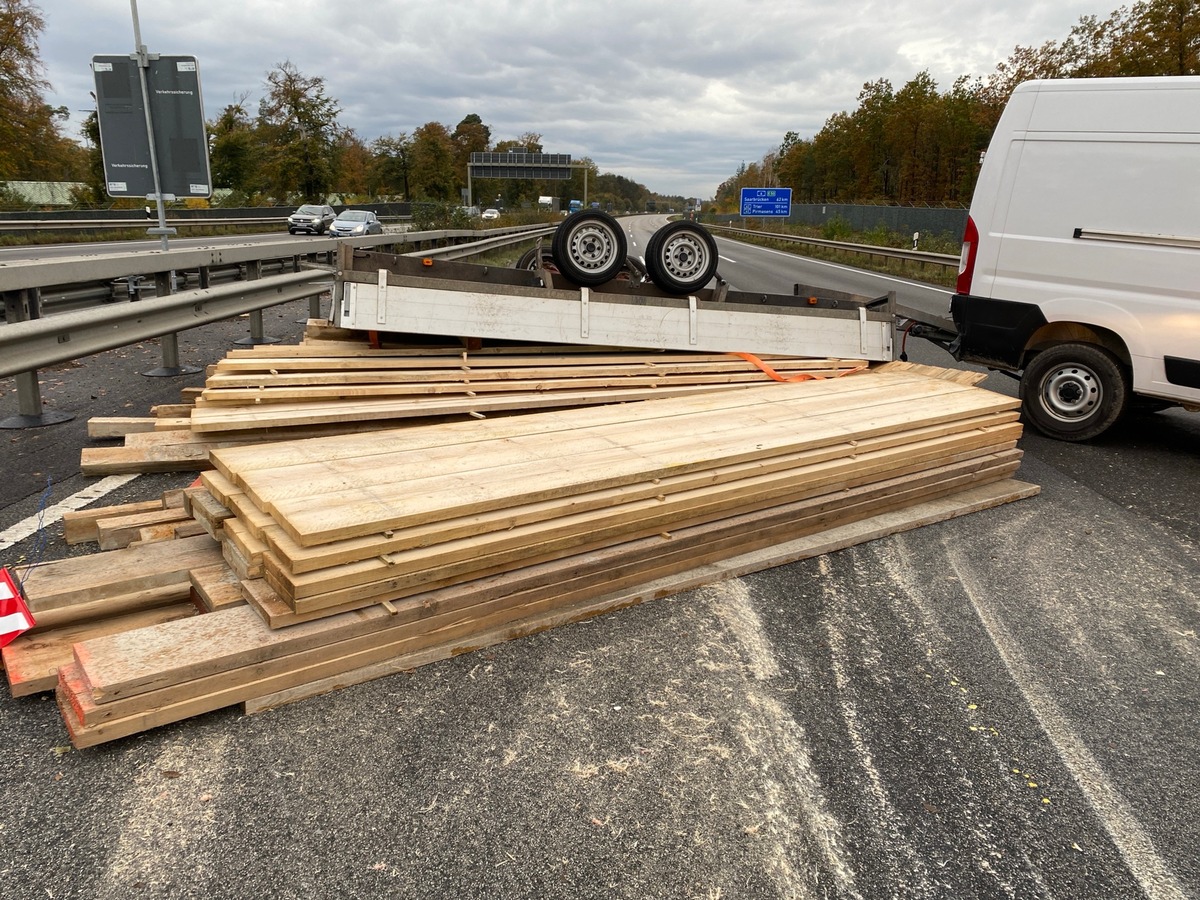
x: 1080, y: 266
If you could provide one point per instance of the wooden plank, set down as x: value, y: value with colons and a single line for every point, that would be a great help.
x: 299, y: 559
x: 116, y: 532
x: 171, y: 410
x: 288, y: 415
x: 598, y: 461
x: 383, y: 442
x: 76, y: 580
x: 91, y: 723
x: 827, y: 541
x: 157, y: 658
x: 678, y: 549
x: 334, y: 373
x: 216, y: 587
x: 346, y: 588
x: 598, y: 526
x: 209, y: 512
x: 248, y: 546
x: 237, y: 561
x: 254, y: 397
x: 79, y: 526
x: 134, y: 460
x: 101, y: 427
x: 176, y: 590
x: 31, y: 661
x: 372, y: 460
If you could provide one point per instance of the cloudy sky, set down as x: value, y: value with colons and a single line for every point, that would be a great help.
x: 674, y: 95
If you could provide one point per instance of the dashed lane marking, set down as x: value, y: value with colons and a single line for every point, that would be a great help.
x: 23, y: 529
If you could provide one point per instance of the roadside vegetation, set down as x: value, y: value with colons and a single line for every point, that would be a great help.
x: 922, y: 145
x: 838, y: 230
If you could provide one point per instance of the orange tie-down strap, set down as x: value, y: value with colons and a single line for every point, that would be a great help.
x: 800, y: 376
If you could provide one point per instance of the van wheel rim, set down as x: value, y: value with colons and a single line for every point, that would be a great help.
x: 1071, y: 393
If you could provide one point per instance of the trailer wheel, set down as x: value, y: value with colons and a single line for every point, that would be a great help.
x: 681, y: 257
x: 1074, y: 392
x: 589, y: 248
x: 529, y: 259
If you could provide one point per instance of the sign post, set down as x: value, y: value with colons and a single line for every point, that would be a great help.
x: 151, y: 118
x: 766, y: 202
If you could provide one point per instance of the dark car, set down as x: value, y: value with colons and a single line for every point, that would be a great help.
x: 311, y: 219
x: 355, y: 222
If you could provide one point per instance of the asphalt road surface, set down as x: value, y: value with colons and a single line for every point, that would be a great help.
x: 1000, y: 706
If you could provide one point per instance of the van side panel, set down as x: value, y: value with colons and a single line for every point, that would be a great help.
x: 1120, y: 157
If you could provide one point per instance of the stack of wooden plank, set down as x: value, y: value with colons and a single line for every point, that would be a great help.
x: 364, y: 554
x: 344, y: 386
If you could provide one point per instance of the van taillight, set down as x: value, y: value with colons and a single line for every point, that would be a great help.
x: 966, y: 262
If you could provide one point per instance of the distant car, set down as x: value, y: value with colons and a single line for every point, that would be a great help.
x: 311, y: 219
x: 489, y: 214
x: 355, y: 222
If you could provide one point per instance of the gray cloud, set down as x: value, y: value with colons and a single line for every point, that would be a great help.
x: 673, y: 95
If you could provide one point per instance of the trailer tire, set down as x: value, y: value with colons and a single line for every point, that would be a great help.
x: 589, y: 248
x: 681, y: 257
x: 529, y: 259
x: 1074, y: 392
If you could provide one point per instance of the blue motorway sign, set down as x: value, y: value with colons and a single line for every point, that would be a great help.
x: 766, y: 202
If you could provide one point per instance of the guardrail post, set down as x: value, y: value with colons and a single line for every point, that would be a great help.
x: 23, y: 306
x: 314, y: 302
x: 253, y: 273
x: 164, y: 285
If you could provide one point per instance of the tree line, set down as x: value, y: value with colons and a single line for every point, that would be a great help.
x: 921, y: 145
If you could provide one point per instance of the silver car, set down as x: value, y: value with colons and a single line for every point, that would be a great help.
x: 311, y: 219
x: 355, y: 222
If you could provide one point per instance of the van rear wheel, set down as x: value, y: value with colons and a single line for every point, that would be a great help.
x: 1074, y: 392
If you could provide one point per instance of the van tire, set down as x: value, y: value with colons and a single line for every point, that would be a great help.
x: 589, y: 248
x: 1074, y: 392
x: 681, y: 257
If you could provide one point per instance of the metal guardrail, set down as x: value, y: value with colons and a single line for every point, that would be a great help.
x: 8, y: 225
x: 37, y: 343
x: 30, y: 340
x: 947, y: 260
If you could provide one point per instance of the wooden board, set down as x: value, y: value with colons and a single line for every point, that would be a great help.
x: 31, y: 661
x: 84, y: 579
x: 88, y: 724
x: 216, y: 587
x: 79, y: 525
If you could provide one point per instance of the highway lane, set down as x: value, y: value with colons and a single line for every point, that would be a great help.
x: 999, y: 706
x: 67, y: 250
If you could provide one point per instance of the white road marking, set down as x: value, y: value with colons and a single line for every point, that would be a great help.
x: 851, y: 269
x: 23, y: 529
x: 1116, y: 816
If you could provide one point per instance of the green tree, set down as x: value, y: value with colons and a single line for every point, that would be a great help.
x: 431, y: 165
x: 389, y: 166
x: 298, y: 124
x: 234, y: 150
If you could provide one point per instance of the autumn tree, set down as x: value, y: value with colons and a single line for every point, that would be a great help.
x: 298, y: 125
x: 431, y: 164
x: 32, y: 145
x: 352, y: 163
